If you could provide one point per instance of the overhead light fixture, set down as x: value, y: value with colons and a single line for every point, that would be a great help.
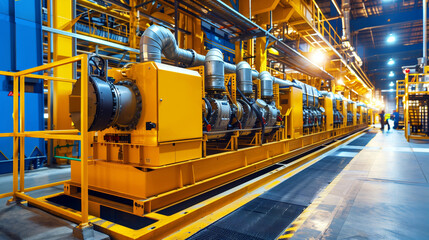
x: 273, y: 51
x: 390, y: 62
x: 391, y: 83
x: 391, y: 38
x: 391, y: 74
x: 368, y: 95
x: 318, y: 57
x: 340, y: 81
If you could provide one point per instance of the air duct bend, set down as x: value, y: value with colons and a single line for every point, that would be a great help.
x: 244, y: 78
x: 214, y: 71
x: 283, y: 83
x: 156, y: 40
x: 266, y: 85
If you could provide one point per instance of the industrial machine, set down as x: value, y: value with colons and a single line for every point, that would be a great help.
x: 416, y: 100
x: 163, y: 133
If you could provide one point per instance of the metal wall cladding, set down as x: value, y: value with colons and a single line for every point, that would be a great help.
x: 21, y: 48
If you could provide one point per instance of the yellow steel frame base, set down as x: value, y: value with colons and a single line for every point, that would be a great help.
x: 166, y: 225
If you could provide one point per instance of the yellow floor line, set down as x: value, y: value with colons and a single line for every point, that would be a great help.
x: 211, y: 218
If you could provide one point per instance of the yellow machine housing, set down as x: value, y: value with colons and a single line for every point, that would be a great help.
x: 291, y: 100
x: 172, y: 107
x: 354, y: 110
x: 329, y: 114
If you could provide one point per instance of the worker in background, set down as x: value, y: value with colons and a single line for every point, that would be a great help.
x: 387, y: 119
x: 395, y: 119
x: 382, y: 120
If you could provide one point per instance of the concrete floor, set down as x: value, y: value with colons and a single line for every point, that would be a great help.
x: 382, y: 194
x: 21, y: 222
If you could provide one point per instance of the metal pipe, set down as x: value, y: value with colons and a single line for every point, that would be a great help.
x: 244, y: 77
x: 214, y: 71
x: 282, y: 83
x: 346, y: 19
x: 156, y: 40
x: 424, y: 33
x: 266, y: 84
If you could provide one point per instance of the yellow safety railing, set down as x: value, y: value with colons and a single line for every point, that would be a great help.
x: 319, y: 21
x: 409, y: 91
x: 19, y: 134
x: 92, y: 28
x: 400, y: 88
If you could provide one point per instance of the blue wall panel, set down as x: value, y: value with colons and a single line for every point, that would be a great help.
x: 21, y: 48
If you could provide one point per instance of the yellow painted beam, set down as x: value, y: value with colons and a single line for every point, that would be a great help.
x: 119, y: 15
x: 239, y: 53
x: 258, y: 6
x: 279, y: 15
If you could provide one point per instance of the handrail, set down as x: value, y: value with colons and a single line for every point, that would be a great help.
x: 19, y: 135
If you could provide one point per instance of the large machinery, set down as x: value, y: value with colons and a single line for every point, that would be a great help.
x: 164, y: 133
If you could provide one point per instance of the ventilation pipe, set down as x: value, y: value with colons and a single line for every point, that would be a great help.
x: 244, y: 78
x: 266, y: 85
x: 214, y: 71
x: 156, y: 40
x: 346, y: 19
x: 425, y: 57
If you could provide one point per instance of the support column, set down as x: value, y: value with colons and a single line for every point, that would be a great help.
x: 62, y: 48
x: 250, y: 52
x: 239, y: 51
x: 133, y: 29
x: 261, y: 54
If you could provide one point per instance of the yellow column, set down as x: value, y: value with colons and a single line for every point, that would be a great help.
x: 62, y: 15
x: 238, y: 51
x: 250, y: 52
x: 133, y: 28
x: 261, y: 54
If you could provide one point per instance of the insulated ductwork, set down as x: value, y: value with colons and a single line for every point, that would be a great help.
x: 156, y: 40
x: 283, y: 83
x: 266, y: 85
x: 346, y: 19
x: 214, y: 71
x: 244, y: 78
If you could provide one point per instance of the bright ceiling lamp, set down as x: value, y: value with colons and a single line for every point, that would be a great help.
x: 391, y: 38
x: 390, y: 62
x: 318, y: 57
x: 391, y: 84
x: 391, y: 74
x: 368, y: 95
x: 340, y: 81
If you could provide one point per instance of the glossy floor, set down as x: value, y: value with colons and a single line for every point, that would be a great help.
x: 382, y: 194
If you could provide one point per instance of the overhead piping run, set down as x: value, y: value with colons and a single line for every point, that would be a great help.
x: 346, y: 19
x: 244, y: 23
x: 157, y: 40
x: 425, y: 58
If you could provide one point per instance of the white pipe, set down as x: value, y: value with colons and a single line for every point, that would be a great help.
x: 425, y: 59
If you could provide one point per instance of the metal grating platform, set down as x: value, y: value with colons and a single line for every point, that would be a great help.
x: 269, y: 214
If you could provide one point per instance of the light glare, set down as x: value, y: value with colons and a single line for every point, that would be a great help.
x: 391, y: 62
x: 391, y: 84
x: 391, y: 74
x: 318, y: 57
x: 391, y: 38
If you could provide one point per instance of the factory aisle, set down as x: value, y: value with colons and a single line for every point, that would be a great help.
x: 382, y: 194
